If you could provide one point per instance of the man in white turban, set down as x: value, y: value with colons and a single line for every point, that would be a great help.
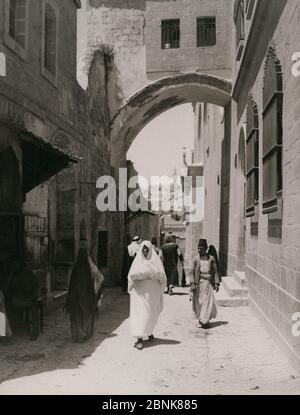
x: 134, y: 246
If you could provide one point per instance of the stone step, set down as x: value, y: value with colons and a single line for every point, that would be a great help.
x: 223, y: 300
x: 233, y: 288
x: 240, y: 278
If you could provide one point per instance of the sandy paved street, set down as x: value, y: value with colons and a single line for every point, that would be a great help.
x: 236, y: 356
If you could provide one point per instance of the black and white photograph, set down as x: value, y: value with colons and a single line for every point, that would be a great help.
x: 149, y: 200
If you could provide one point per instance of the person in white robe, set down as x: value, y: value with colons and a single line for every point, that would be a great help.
x: 147, y: 282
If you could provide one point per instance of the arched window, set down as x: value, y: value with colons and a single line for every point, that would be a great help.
x: 252, y: 168
x: 272, y: 132
x: 17, y: 21
x: 50, y: 39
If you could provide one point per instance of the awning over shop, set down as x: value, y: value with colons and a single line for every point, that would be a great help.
x: 41, y: 160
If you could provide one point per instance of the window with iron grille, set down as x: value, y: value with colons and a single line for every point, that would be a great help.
x: 170, y: 34
x: 17, y: 21
x: 206, y: 31
x: 252, y: 169
x: 50, y: 39
x: 272, y: 133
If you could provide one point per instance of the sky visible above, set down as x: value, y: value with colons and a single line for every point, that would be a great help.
x: 157, y: 150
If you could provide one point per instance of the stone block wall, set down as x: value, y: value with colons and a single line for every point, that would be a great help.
x: 121, y: 26
x: 59, y: 112
x: 216, y: 60
x: 273, y: 264
x: 213, y: 134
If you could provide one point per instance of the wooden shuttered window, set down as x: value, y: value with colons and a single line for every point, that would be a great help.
x: 272, y: 133
x: 252, y: 164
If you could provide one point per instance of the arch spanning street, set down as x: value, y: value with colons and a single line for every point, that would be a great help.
x: 160, y: 96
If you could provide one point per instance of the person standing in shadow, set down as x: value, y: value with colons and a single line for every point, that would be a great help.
x: 156, y: 249
x: 81, y: 299
x: 23, y: 294
x: 170, y: 261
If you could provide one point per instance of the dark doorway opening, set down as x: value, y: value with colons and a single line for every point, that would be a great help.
x: 102, y: 249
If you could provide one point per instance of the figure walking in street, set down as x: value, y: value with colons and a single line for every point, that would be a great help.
x: 180, y: 265
x: 202, y: 286
x: 81, y: 300
x: 127, y: 262
x: 146, y: 284
x: 213, y: 252
x: 170, y: 261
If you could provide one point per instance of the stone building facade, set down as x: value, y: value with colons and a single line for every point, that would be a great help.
x: 189, y: 52
x: 50, y: 149
x: 207, y: 156
x: 260, y: 232
x: 128, y: 28
x: 266, y: 117
x: 144, y: 223
x: 246, y: 130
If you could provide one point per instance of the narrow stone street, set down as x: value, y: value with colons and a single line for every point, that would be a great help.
x: 236, y: 356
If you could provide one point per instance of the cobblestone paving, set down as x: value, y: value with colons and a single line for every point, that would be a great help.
x: 236, y: 356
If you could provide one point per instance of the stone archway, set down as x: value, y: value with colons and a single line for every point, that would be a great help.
x: 150, y: 102
x: 160, y: 96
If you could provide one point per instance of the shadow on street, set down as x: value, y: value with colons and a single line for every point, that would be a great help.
x: 160, y: 342
x: 215, y: 324
x: 54, y: 349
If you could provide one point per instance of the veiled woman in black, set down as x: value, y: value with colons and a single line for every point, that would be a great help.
x: 81, y: 301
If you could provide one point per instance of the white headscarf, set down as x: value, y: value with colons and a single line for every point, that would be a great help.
x: 150, y: 267
x: 133, y: 248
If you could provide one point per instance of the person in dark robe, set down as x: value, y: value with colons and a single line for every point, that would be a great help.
x: 170, y: 261
x: 81, y: 300
x: 127, y: 261
x: 156, y: 248
x: 213, y: 252
x: 180, y: 265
